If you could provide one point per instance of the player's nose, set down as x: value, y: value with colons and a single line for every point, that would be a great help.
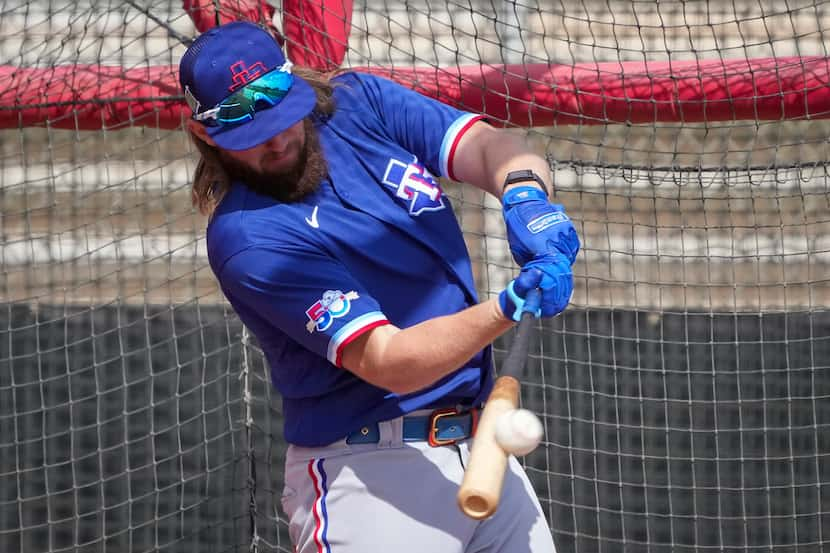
x: 277, y: 143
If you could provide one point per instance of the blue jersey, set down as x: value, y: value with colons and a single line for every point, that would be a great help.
x: 378, y: 243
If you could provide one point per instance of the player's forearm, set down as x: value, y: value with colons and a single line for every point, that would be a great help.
x: 486, y: 155
x: 514, y: 156
x: 410, y: 359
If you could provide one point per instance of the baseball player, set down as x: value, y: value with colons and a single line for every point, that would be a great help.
x: 333, y: 241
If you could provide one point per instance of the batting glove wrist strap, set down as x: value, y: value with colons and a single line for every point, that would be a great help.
x: 521, y: 194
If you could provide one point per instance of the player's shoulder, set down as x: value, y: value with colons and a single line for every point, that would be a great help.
x: 360, y: 86
x: 360, y: 78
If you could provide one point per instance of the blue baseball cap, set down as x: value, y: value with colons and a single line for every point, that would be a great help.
x: 226, y: 58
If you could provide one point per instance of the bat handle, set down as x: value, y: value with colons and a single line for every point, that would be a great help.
x: 533, y: 301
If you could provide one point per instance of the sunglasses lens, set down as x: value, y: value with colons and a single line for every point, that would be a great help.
x: 230, y: 113
x: 263, y: 93
x: 276, y: 83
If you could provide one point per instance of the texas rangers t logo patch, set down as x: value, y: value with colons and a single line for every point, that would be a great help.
x: 414, y: 185
x: 332, y: 305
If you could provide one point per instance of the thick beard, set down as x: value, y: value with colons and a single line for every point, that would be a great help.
x: 285, y: 186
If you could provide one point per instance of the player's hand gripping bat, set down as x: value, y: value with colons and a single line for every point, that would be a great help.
x: 480, y: 490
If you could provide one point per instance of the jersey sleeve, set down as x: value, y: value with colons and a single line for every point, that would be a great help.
x: 426, y: 127
x: 307, y: 295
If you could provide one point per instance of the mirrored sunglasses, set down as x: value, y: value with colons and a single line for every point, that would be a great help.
x: 265, y: 92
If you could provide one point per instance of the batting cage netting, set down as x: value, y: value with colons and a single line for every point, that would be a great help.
x: 685, y: 391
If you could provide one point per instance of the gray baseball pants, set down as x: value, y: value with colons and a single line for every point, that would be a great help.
x: 396, y: 496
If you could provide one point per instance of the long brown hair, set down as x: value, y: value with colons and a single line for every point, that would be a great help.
x: 211, y: 181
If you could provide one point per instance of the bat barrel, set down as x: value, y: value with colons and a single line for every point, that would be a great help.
x: 480, y: 490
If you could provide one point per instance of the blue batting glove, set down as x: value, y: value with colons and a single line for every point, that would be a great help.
x: 552, y: 274
x: 536, y: 227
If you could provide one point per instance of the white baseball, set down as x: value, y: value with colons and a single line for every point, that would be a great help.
x: 519, y: 431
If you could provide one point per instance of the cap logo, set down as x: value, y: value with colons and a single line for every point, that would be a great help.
x: 242, y: 75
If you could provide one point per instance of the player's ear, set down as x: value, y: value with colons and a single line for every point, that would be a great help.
x: 200, y: 131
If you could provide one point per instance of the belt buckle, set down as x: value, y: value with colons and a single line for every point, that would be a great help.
x: 438, y: 414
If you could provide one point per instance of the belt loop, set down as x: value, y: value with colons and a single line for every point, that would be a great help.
x: 391, y: 433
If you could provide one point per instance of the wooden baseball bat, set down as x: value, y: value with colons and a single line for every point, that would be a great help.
x: 480, y: 490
